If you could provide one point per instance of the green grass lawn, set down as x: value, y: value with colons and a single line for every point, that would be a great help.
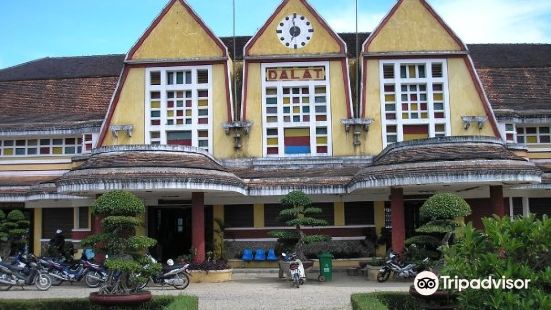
x: 384, y: 301
x: 180, y: 302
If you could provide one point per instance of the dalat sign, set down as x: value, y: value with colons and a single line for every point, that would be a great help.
x: 295, y: 74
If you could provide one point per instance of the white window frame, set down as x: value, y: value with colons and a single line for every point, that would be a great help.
x: 428, y: 80
x: 537, y: 134
x: 281, y: 125
x: 504, y: 132
x: 194, y: 127
x: 38, y: 146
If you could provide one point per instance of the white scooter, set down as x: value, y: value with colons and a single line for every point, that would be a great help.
x: 296, y: 269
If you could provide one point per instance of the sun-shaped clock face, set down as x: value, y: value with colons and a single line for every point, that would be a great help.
x: 294, y: 31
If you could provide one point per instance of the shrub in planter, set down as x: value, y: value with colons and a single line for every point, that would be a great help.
x: 439, y: 213
x: 297, y: 212
x: 127, y: 264
x: 516, y: 249
x: 14, y: 229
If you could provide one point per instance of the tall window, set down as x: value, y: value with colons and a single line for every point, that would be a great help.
x: 179, y: 106
x: 414, y: 99
x: 296, y: 109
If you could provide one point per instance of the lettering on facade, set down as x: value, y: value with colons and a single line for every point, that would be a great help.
x: 295, y: 74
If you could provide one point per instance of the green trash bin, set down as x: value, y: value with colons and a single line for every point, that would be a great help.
x: 326, y: 267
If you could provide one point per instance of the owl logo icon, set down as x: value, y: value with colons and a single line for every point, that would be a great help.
x: 426, y: 283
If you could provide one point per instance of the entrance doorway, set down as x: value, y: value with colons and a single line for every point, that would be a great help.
x: 171, y: 227
x: 170, y: 224
x: 413, y: 219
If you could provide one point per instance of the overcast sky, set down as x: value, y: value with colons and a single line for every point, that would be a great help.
x: 31, y: 29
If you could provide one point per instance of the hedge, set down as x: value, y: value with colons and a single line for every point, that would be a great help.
x: 384, y: 301
x: 157, y: 303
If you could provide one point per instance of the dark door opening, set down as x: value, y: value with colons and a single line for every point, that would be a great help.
x: 411, y: 215
x: 171, y: 227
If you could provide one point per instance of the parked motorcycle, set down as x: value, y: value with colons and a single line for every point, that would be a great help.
x: 60, y: 272
x: 400, y: 270
x: 296, y: 269
x: 24, y: 271
x: 96, y: 274
x: 171, y: 275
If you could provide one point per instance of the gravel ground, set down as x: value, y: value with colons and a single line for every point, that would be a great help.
x: 248, y: 291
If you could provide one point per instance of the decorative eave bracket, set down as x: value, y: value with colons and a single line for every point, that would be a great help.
x: 115, y: 129
x: 469, y: 119
x: 238, y: 128
x: 358, y: 125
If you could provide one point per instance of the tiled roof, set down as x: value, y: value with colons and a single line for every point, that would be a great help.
x: 65, y: 68
x: 59, y: 103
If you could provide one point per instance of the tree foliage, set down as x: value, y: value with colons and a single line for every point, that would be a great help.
x: 298, y: 212
x: 14, y: 231
x: 515, y: 248
x: 128, y: 265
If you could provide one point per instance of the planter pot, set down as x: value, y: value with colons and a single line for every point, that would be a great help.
x: 211, y: 276
x: 120, y: 300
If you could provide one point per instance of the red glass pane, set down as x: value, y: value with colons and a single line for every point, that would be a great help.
x: 439, y: 115
x: 203, y: 121
x: 44, y: 150
x: 272, y: 150
x: 155, y: 122
x: 390, y: 116
x: 170, y: 104
x: 322, y: 149
x: 321, y: 118
x: 306, y: 118
x: 405, y: 107
x: 423, y: 106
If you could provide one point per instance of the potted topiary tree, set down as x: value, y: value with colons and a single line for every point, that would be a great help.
x: 14, y: 229
x: 127, y: 263
x: 298, y: 212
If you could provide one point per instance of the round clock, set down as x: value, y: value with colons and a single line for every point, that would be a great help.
x: 294, y: 31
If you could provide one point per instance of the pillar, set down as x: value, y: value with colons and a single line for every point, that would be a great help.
x: 37, y: 232
x: 218, y: 234
x: 258, y: 215
x: 496, y: 200
x: 198, y: 225
x: 379, y: 210
x: 398, y: 224
x: 339, y: 213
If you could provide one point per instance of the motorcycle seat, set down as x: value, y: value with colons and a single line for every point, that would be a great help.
x: 170, y: 268
x: 12, y: 267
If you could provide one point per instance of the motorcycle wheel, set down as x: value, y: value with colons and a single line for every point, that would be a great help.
x: 90, y: 279
x: 4, y: 287
x: 382, y: 276
x: 56, y: 281
x: 43, y: 281
x: 144, y: 283
x: 184, y: 277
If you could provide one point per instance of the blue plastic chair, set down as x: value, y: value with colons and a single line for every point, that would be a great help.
x: 260, y: 255
x: 247, y: 255
x: 271, y: 255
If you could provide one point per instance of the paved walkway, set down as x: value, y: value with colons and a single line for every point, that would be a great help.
x: 249, y: 291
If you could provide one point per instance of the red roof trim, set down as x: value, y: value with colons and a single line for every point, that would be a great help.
x: 320, y: 20
x: 427, y: 6
x: 112, y: 106
x: 157, y: 20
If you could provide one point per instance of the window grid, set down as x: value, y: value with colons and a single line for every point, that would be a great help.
x: 510, y: 133
x: 178, y: 106
x: 59, y: 146
x: 296, y: 116
x: 534, y: 135
x: 413, y: 95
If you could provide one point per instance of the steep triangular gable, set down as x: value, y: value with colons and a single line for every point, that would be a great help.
x: 177, y: 33
x: 323, y: 41
x: 413, y: 26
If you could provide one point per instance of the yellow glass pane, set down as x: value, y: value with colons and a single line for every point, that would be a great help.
x: 320, y: 90
x: 405, y: 115
x: 321, y: 140
x: 438, y: 97
x: 57, y: 151
x: 286, y: 100
x: 424, y: 115
x: 411, y: 69
x: 271, y: 91
x: 439, y: 128
x: 414, y: 106
x: 155, y: 104
x: 297, y: 132
x: 305, y: 99
x: 8, y: 152
x: 272, y: 141
x: 170, y: 113
x: 390, y: 98
x: 188, y: 112
x: 203, y: 103
x: 532, y: 139
x: 296, y: 109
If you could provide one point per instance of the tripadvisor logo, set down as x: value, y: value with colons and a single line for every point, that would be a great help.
x: 426, y: 283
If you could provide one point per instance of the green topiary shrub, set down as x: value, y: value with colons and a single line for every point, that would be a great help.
x: 444, y: 206
x: 127, y: 264
x: 516, y: 249
x: 297, y: 212
x: 14, y: 232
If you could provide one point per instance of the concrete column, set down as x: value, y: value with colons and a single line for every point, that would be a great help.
x: 258, y: 215
x: 496, y: 200
x: 37, y: 232
x: 379, y: 209
x: 398, y: 224
x: 198, y: 225
x: 338, y: 210
x: 525, y: 206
